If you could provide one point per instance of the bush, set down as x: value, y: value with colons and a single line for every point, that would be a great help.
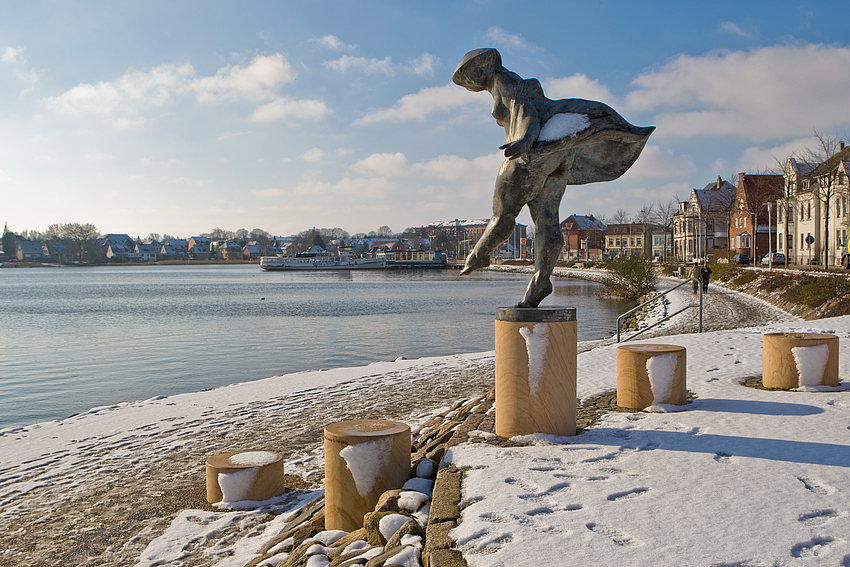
x: 745, y: 277
x: 630, y: 277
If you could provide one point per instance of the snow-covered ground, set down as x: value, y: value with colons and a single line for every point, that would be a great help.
x: 738, y: 477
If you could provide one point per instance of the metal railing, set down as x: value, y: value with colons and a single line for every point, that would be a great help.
x: 626, y: 315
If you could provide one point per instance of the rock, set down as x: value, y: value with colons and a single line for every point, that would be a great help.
x: 411, y: 527
x: 372, y: 525
x: 446, y: 558
x: 356, y: 535
x: 424, y: 468
x: 388, y: 502
x: 437, y: 537
x: 447, y: 495
x: 381, y: 560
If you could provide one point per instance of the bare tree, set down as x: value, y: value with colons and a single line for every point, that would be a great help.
x: 823, y: 178
x: 644, y: 216
x: 663, y: 216
x: 82, y: 236
x: 621, y: 217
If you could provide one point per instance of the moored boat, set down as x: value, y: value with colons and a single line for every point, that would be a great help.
x: 320, y: 261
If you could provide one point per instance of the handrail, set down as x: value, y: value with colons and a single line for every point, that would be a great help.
x: 625, y: 315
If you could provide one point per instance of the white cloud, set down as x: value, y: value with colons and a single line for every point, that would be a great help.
x: 333, y: 42
x: 148, y: 162
x: 734, y: 29
x: 96, y: 156
x: 312, y: 155
x: 656, y: 163
x: 419, y: 105
x: 509, y: 41
x: 363, y: 64
x: 578, y: 86
x: 257, y: 81
x: 12, y: 55
x: 123, y: 101
x: 763, y: 93
x: 288, y: 108
x: 423, y: 65
x: 391, y: 165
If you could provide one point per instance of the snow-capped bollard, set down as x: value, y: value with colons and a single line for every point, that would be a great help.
x: 536, y: 371
x: 245, y: 475
x: 363, y: 459
x: 651, y: 374
x: 794, y: 360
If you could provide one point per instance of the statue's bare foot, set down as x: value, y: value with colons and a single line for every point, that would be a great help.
x: 473, y: 262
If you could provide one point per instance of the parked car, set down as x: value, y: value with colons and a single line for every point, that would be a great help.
x: 773, y: 258
x: 741, y: 259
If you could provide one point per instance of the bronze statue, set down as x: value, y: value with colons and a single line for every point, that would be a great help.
x: 550, y: 144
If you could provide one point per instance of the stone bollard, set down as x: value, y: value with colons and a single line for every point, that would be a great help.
x: 363, y: 459
x: 245, y: 475
x: 792, y: 360
x: 536, y: 371
x: 651, y: 374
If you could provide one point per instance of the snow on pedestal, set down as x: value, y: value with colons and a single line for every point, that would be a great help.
x: 536, y: 371
x: 363, y: 459
x: 650, y: 375
x: 799, y: 360
x: 237, y: 476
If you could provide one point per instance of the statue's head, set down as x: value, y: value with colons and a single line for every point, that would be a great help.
x: 477, y: 68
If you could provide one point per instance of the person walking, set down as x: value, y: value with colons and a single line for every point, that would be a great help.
x: 705, y: 274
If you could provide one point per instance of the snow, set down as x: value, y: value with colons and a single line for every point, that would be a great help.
x: 563, y: 125
x: 536, y: 342
x: 661, y: 370
x: 235, y: 486
x: 253, y: 458
x: 811, y: 363
x: 364, y: 460
x: 390, y: 524
x: 411, y: 501
x: 737, y: 477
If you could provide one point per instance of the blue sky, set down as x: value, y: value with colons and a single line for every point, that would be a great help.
x: 179, y: 117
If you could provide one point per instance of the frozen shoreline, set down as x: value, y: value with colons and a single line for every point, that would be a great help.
x: 99, y: 487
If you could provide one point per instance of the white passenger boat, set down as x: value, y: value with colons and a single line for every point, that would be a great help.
x: 319, y: 261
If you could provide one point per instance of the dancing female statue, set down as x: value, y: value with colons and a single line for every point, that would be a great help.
x: 549, y: 144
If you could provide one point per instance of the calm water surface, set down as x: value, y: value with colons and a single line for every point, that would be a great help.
x: 76, y: 338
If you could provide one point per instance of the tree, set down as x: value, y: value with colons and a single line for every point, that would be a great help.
x: 8, y: 241
x: 81, y: 236
x: 621, y: 217
x: 826, y: 154
x: 154, y: 237
x: 644, y: 216
x: 663, y: 216
x: 385, y: 232
x: 317, y: 239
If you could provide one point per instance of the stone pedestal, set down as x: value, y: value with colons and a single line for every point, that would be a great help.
x: 651, y: 374
x: 363, y: 459
x: 245, y: 475
x: 791, y: 360
x: 536, y: 371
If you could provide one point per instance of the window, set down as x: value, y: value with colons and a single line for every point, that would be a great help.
x: 844, y: 205
x: 631, y: 241
x: 638, y: 241
x: 809, y: 214
x: 779, y: 241
x: 802, y: 211
x: 802, y: 241
x: 738, y: 241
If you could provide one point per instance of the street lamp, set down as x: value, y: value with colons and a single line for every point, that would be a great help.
x: 769, y: 241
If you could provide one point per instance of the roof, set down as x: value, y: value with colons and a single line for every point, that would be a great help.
x: 30, y: 246
x: 585, y: 222
x: 716, y: 196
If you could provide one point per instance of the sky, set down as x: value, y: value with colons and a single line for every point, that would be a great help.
x: 180, y: 117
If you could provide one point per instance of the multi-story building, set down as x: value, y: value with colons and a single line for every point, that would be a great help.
x: 626, y: 239
x: 754, y: 214
x: 584, y: 237
x: 458, y: 237
x: 701, y: 225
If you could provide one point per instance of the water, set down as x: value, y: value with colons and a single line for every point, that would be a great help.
x: 76, y: 338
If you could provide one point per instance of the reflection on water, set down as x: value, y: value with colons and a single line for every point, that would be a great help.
x: 75, y: 338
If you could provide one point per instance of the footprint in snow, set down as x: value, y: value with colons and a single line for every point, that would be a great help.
x: 723, y: 457
x: 627, y: 495
x: 817, y: 518
x: 815, y: 486
x: 812, y: 548
x: 612, y: 533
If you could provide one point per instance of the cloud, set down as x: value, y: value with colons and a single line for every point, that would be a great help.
x: 12, y: 55
x: 288, y: 108
x: 312, y: 155
x: 391, y: 165
x: 333, y: 42
x: 760, y: 94
x: 96, y: 156
x: 734, y: 29
x: 363, y: 65
x: 422, y: 65
x: 257, y: 81
x: 578, y: 86
x: 419, y: 105
x: 124, y: 101
x: 509, y: 41
x: 657, y: 163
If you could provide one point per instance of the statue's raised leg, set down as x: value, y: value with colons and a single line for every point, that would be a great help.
x: 548, y: 242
